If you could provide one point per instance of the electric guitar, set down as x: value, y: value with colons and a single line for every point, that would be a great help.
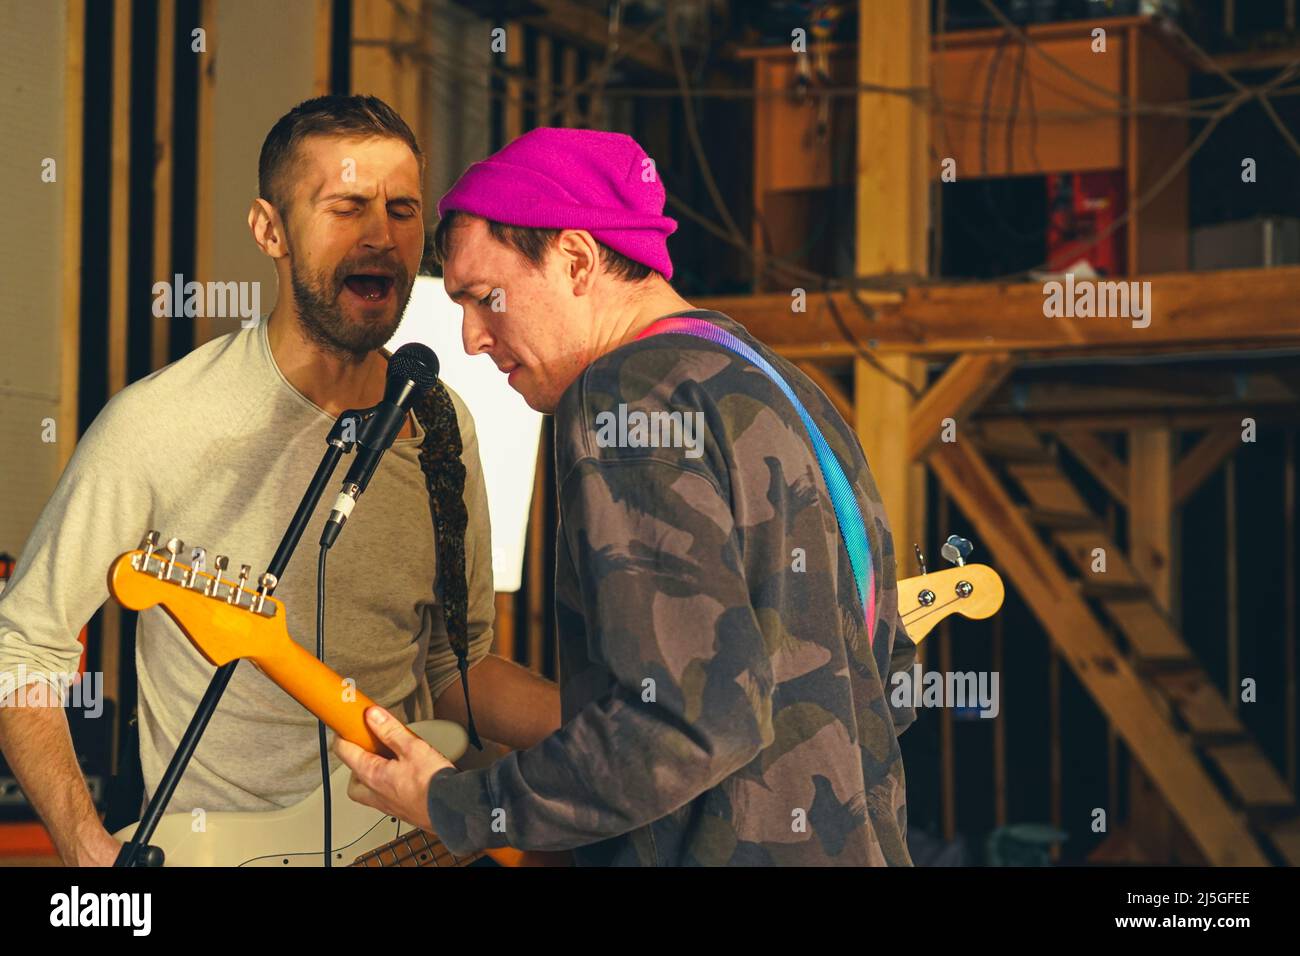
x: 226, y: 621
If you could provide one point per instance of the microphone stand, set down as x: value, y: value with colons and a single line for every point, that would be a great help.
x: 138, y: 851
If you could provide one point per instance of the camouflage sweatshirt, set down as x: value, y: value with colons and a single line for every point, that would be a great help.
x: 721, y: 702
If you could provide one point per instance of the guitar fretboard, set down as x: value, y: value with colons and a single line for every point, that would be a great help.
x: 417, y: 848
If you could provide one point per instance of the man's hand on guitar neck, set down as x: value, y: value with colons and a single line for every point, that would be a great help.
x: 398, y: 786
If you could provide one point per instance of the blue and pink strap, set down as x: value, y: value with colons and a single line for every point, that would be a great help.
x: 848, y: 515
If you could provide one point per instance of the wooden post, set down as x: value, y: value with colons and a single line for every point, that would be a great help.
x: 999, y: 731
x: 160, y: 346
x: 569, y: 66
x: 74, y: 78
x: 947, y: 739
x: 1054, y: 741
x: 504, y: 626
x: 545, y: 82
x: 892, y: 224
x: 323, y: 43
x: 110, y: 657
x: 536, y: 563
x: 1150, y: 519
x: 1289, y: 616
x: 1233, y: 690
x: 513, y: 107
x: 893, y: 138
x: 204, y: 196
x: 119, y: 198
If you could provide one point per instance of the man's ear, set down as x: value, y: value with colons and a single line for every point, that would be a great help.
x: 267, y: 229
x: 581, y: 256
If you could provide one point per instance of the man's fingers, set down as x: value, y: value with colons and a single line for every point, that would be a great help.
x: 347, y: 751
x: 390, y: 730
x: 363, y: 764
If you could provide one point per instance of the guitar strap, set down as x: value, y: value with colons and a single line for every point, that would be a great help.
x: 848, y: 515
x: 444, y: 476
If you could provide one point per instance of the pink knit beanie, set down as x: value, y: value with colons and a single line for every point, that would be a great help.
x: 573, y: 179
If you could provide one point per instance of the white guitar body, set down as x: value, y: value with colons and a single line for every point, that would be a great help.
x: 295, y: 836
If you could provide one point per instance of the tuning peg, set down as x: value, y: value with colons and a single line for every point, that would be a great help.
x: 174, y: 547
x: 920, y: 558
x: 149, y: 544
x: 198, y: 564
x: 238, y: 591
x: 268, y: 582
x: 956, y: 550
x: 219, y: 566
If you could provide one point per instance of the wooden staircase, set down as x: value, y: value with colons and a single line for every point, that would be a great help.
x: 1215, y: 779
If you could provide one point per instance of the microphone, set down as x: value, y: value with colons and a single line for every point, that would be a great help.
x: 412, y: 371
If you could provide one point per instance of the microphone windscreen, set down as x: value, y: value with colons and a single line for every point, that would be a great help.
x: 414, y: 362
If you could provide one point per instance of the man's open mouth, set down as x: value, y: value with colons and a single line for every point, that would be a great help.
x: 372, y: 288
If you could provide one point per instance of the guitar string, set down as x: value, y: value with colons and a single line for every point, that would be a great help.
x: 910, y: 617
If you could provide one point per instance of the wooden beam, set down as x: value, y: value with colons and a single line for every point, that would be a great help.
x: 1101, y: 462
x: 957, y: 393
x: 1136, y: 388
x: 1186, y: 308
x: 581, y: 24
x: 1218, y: 830
x: 1189, y: 420
x: 1204, y: 460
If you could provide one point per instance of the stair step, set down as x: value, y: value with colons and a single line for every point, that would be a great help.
x: 1154, y: 641
x: 1201, y: 706
x: 1251, y: 775
x: 1285, y: 837
x: 1102, y: 589
x: 1047, y: 488
x: 1009, y: 452
x: 1052, y: 520
x: 1012, y: 433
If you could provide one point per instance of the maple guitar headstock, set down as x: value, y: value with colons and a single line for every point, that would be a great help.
x: 971, y: 590
x: 226, y: 621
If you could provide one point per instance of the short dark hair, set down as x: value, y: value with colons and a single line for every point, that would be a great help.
x: 360, y: 116
x: 533, y: 243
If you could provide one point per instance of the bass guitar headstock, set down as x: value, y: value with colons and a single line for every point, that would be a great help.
x: 971, y: 590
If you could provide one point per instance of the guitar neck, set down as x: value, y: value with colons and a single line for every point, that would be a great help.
x: 417, y: 848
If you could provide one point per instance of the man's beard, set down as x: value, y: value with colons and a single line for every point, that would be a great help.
x: 322, y: 316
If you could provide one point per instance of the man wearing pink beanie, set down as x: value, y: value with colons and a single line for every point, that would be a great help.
x: 726, y: 606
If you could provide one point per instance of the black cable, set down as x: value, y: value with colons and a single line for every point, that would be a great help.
x: 320, y: 724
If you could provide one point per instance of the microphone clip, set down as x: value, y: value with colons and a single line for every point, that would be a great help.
x: 349, y: 428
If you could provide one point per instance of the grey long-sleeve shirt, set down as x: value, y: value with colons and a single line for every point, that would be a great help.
x: 217, y: 449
